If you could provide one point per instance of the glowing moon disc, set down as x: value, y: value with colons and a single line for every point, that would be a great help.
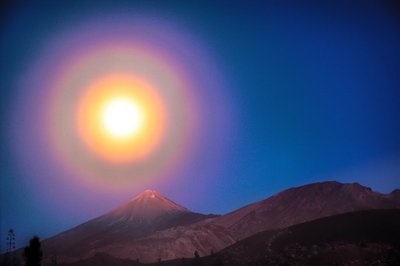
x: 122, y: 118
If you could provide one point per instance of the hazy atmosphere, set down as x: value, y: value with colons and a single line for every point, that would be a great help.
x: 233, y: 102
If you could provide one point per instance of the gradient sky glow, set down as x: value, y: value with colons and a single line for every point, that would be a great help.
x: 258, y: 98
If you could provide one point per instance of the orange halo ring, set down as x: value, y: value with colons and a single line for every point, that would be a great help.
x: 91, y: 130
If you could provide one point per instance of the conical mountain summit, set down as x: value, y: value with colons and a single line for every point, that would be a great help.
x: 143, y: 215
x: 151, y: 227
x: 146, y: 207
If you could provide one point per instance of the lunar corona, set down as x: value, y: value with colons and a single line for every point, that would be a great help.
x: 129, y: 106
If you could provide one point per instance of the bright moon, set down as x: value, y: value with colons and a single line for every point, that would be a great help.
x: 122, y: 118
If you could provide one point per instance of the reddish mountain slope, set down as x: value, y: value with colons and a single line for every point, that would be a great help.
x: 370, y: 237
x: 305, y: 203
x: 143, y: 215
x: 152, y: 227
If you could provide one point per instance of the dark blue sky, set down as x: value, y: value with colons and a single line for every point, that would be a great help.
x: 315, y: 89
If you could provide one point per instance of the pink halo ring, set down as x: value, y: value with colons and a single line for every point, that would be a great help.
x: 168, y: 55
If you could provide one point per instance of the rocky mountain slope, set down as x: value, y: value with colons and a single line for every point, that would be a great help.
x: 151, y: 227
x: 117, y: 230
x: 305, y: 203
x: 369, y: 237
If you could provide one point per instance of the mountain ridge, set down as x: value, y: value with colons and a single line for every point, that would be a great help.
x: 304, y: 203
x: 142, y: 215
x: 368, y: 237
x: 151, y: 227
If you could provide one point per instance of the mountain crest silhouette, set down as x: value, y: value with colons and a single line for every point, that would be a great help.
x: 146, y: 207
x: 150, y: 226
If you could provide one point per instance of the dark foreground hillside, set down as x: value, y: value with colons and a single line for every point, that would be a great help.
x: 361, y: 238
x: 150, y: 227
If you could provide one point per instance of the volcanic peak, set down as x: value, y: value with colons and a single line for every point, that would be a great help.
x: 147, y: 206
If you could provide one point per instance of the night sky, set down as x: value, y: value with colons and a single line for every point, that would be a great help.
x: 257, y: 99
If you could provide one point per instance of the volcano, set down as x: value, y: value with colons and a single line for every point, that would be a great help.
x: 143, y: 215
x: 151, y: 227
x: 148, y: 209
